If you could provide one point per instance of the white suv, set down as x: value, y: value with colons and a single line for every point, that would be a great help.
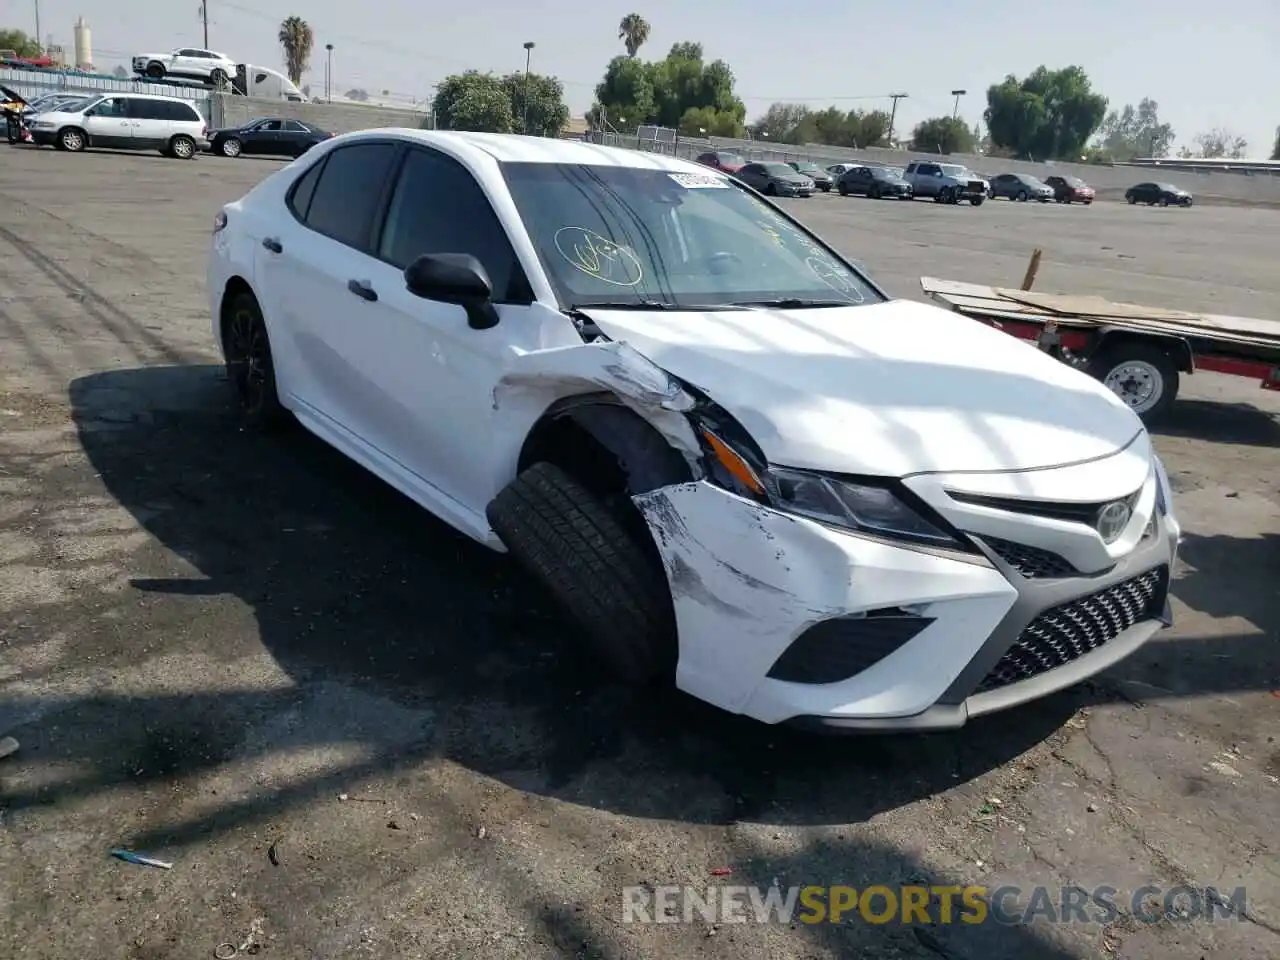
x: 125, y: 121
x: 189, y: 62
x: 729, y: 455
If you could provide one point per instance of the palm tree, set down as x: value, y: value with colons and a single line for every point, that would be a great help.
x: 297, y: 39
x: 633, y: 30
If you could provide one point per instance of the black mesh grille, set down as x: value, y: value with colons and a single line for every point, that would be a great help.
x: 1032, y: 562
x: 837, y: 649
x: 1062, y: 634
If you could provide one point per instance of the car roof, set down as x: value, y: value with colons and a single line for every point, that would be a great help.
x: 514, y: 148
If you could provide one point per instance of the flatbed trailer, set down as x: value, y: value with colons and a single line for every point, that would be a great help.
x: 1139, y: 352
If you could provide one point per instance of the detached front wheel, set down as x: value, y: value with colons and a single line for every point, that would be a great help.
x: 1141, y: 374
x: 599, y: 562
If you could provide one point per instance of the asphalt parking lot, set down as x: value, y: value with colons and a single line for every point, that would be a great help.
x: 354, y: 733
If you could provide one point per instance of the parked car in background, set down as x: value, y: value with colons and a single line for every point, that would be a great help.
x: 836, y: 169
x: 124, y: 121
x: 873, y: 182
x: 1158, y: 194
x: 1071, y: 190
x: 189, y: 63
x: 821, y: 179
x: 722, y: 161
x: 776, y: 179
x: 1021, y: 187
x: 945, y: 182
x: 268, y: 136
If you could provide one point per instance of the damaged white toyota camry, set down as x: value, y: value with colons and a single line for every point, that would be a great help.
x: 730, y: 457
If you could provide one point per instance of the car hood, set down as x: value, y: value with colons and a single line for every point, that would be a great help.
x: 888, y: 389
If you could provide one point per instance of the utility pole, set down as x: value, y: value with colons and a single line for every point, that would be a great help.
x: 204, y: 18
x: 328, y: 73
x: 38, y: 24
x: 528, y: 59
x: 957, y: 94
x: 893, y: 114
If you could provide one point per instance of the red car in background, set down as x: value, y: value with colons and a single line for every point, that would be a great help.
x: 1070, y: 190
x: 722, y: 161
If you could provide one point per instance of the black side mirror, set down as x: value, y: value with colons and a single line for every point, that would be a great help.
x: 457, y: 278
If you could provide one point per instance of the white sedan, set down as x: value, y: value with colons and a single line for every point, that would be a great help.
x: 732, y: 459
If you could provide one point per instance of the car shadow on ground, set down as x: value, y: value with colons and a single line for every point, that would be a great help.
x: 1220, y: 421
x: 350, y: 583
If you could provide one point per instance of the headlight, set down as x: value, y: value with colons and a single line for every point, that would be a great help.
x: 866, y: 508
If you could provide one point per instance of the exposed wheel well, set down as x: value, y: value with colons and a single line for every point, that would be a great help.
x: 609, y: 448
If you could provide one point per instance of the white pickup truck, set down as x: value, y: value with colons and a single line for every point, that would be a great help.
x: 945, y: 182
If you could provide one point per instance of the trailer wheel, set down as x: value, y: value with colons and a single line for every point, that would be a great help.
x: 1141, y: 374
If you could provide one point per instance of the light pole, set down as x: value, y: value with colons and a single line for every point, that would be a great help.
x: 38, y: 26
x: 893, y: 114
x: 528, y: 59
x: 957, y: 94
x: 328, y: 73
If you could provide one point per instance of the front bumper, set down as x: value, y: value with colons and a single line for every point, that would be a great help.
x: 787, y: 620
x: 44, y: 138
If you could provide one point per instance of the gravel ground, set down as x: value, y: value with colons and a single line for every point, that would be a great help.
x: 354, y: 733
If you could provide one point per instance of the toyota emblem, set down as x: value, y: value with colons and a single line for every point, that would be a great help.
x: 1112, y: 519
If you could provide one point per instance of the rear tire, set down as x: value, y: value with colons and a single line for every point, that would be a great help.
x: 250, y: 365
x: 182, y: 147
x: 601, y: 573
x: 1130, y: 370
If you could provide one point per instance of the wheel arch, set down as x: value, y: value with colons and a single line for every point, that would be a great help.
x: 1177, y: 348
x: 234, y: 287
x: 605, y: 444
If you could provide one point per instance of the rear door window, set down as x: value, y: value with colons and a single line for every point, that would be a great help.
x: 349, y: 192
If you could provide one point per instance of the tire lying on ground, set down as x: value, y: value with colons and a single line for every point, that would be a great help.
x: 598, y: 563
x: 1142, y: 374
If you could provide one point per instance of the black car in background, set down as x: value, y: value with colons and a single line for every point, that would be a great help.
x: 267, y: 137
x: 821, y: 179
x: 874, y: 182
x: 1158, y: 194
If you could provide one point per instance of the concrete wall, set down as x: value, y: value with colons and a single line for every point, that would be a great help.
x: 231, y: 111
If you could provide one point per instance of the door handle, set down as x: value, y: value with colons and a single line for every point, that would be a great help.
x: 362, y: 290
x: 273, y: 245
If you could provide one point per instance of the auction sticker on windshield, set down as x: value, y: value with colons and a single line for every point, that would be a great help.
x: 699, y: 181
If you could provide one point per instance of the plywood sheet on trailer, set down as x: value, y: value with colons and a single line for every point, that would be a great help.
x: 1085, y: 310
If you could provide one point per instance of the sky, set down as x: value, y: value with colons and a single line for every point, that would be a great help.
x: 1205, y: 71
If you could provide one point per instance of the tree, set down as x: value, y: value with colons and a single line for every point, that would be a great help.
x: 474, y: 101
x: 942, y: 135
x: 20, y: 43
x: 796, y: 123
x: 1221, y: 143
x: 360, y: 96
x: 1049, y: 114
x: 547, y: 115
x: 633, y: 31
x: 1128, y: 133
x: 1275, y: 150
x: 120, y: 72
x: 664, y: 91
x: 296, y: 38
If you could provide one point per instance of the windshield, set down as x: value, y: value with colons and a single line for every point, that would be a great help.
x: 954, y: 170
x: 775, y: 169
x: 1073, y: 181
x: 1167, y: 187
x: 75, y: 106
x: 808, y: 168
x: 631, y: 236
x: 731, y: 160
x: 881, y: 173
